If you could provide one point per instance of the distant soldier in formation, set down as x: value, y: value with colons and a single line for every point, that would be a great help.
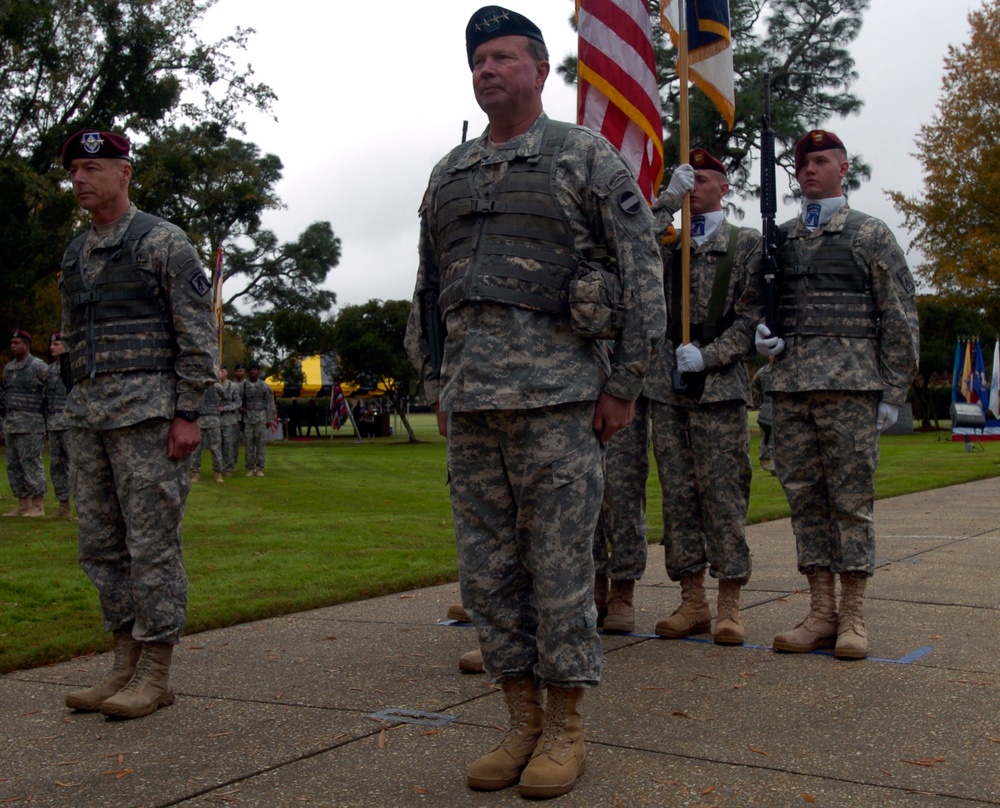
x: 844, y: 358
x: 230, y: 401
x: 24, y: 425
x: 211, y: 435
x: 58, y: 429
x: 259, y: 412
x: 137, y: 322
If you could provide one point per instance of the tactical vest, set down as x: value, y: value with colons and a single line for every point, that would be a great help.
x: 831, y: 296
x: 122, y: 323
x: 25, y: 392
x: 55, y: 392
x: 718, y: 319
x: 210, y: 404
x: 521, y: 219
x: 255, y: 396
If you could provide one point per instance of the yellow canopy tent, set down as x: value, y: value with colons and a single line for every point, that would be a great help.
x: 316, y: 383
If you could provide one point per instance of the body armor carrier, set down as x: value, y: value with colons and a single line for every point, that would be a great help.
x: 255, y: 396
x: 491, y: 235
x: 55, y: 394
x: 831, y: 296
x: 24, y: 390
x: 210, y: 404
x: 121, y: 323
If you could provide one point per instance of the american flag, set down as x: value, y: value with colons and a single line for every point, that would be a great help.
x: 338, y: 407
x: 618, y: 93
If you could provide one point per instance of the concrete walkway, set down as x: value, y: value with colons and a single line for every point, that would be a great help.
x: 363, y: 705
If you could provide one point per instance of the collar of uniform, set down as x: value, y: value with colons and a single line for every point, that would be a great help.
x: 527, y: 144
x: 117, y: 235
x: 719, y: 243
x: 834, y: 225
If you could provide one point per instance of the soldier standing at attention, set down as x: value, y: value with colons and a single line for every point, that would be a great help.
x: 57, y: 427
x: 24, y: 425
x: 700, y: 438
x: 259, y: 412
x: 230, y: 401
x: 523, y: 387
x: 211, y: 434
x: 137, y: 323
x: 844, y: 360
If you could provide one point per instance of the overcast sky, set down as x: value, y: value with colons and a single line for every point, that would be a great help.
x: 372, y: 95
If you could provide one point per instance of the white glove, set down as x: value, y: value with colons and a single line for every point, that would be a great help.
x: 887, y: 415
x: 766, y: 344
x: 689, y: 359
x: 681, y: 181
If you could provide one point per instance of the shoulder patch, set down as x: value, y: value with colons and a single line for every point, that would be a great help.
x: 618, y: 178
x: 630, y: 202
x: 196, y: 277
x: 905, y: 279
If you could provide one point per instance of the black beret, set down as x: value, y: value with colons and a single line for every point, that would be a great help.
x: 239, y: 367
x: 254, y: 366
x: 701, y: 160
x: 816, y: 140
x: 491, y: 22
x: 91, y: 143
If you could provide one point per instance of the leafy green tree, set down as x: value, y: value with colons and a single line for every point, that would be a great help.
x: 804, y: 45
x: 956, y: 224
x: 369, y: 341
x: 133, y: 65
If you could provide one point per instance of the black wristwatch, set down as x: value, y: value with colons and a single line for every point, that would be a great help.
x: 188, y: 415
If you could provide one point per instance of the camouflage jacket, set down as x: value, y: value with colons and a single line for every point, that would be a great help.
x: 55, y: 400
x: 33, y: 372
x: 258, y: 400
x: 500, y: 356
x: 230, y: 401
x: 114, y: 400
x: 724, y: 356
x: 887, y: 364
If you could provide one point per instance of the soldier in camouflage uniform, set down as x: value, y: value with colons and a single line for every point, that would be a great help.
x: 24, y: 425
x: 211, y: 434
x: 57, y: 427
x: 845, y: 356
x: 700, y: 439
x: 524, y: 391
x: 259, y: 412
x: 138, y: 326
x: 230, y: 401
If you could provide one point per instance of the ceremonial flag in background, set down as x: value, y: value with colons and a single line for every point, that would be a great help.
x: 709, y: 48
x: 980, y: 388
x: 338, y: 407
x: 956, y: 374
x: 965, y: 386
x: 994, y: 406
x: 217, y: 294
x: 618, y: 93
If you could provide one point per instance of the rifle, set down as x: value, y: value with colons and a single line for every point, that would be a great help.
x: 768, y: 209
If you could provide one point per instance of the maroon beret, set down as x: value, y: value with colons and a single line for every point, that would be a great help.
x: 701, y: 160
x: 491, y: 22
x: 17, y: 333
x: 89, y: 143
x: 814, y: 141
x: 56, y: 337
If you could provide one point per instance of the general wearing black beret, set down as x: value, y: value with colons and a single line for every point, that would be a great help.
x: 491, y: 22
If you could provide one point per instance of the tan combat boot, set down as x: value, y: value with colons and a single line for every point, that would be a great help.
x: 36, y: 507
x: 218, y: 477
x: 127, y: 652
x: 560, y: 756
x: 195, y: 476
x: 64, y: 512
x: 852, y: 634
x: 621, y: 612
x: 471, y: 662
x: 502, y: 765
x: 728, y: 626
x: 601, y: 585
x: 693, y: 616
x: 23, y: 503
x: 149, y: 688
x: 819, y: 629
x: 457, y: 613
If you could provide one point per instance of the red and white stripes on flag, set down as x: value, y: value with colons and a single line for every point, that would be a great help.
x: 618, y: 93
x: 338, y: 407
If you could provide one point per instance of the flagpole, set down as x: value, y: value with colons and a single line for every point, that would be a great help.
x: 685, y: 149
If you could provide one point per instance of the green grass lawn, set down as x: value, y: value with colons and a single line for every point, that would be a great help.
x: 333, y: 521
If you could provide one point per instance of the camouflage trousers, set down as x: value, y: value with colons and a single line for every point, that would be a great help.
x: 211, y: 438
x: 25, y: 470
x: 256, y: 437
x: 60, y: 462
x: 130, y: 499
x: 526, y: 490
x: 826, y: 453
x: 620, y: 543
x: 230, y: 445
x: 703, y: 459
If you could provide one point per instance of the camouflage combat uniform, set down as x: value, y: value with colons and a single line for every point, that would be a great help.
x: 519, y: 384
x: 258, y: 400
x: 57, y: 427
x: 230, y: 401
x: 826, y: 390
x: 211, y: 432
x: 130, y: 494
x: 24, y: 425
x: 702, y: 445
x: 760, y: 393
